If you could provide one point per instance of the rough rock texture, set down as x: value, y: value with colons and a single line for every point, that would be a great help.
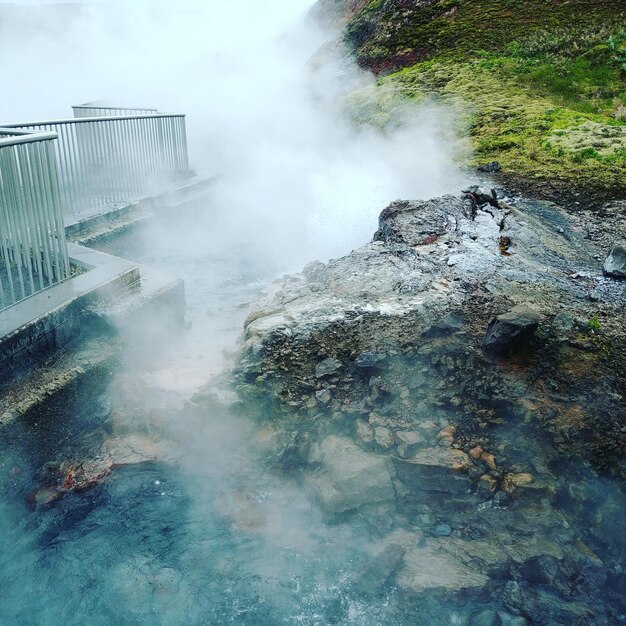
x: 615, y: 264
x: 373, y: 373
x: 510, y: 330
x: 350, y: 478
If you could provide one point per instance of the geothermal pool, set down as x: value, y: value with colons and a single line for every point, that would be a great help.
x: 206, y: 533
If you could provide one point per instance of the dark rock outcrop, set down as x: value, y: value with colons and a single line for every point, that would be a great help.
x: 511, y: 330
x: 615, y: 264
x: 378, y: 360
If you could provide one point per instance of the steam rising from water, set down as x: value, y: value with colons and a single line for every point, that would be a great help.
x: 297, y: 181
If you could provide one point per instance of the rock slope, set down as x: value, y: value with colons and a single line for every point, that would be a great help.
x: 457, y: 385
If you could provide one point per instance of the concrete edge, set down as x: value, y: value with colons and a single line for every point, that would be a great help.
x: 51, y: 318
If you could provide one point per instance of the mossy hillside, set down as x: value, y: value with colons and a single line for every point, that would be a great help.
x: 526, y: 132
x: 388, y: 30
x: 544, y: 97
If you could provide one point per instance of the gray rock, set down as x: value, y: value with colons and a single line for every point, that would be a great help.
x: 449, y: 325
x: 350, y: 478
x: 563, y: 322
x: 492, y: 166
x: 373, y: 577
x: 486, y: 617
x: 369, y: 359
x: 383, y: 437
x: 327, y: 367
x: 594, y: 296
x: 409, y: 442
x: 482, y: 195
x: 364, y: 432
x: 615, y: 264
x: 417, y: 223
x: 510, y: 330
x: 324, y: 396
x: 442, y: 530
x: 431, y: 568
x: 312, y: 271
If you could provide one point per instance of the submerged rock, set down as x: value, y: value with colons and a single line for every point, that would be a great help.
x: 349, y: 478
x: 373, y: 577
x: 488, y: 617
x: 430, y: 568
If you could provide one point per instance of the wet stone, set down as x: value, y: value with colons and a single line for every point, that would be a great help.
x: 429, y: 568
x: 488, y: 617
x: 324, y: 396
x: 511, y: 330
x: 364, y: 432
x: 487, y: 485
x: 408, y: 442
x: 384, y: 437
x: 327, y: 367
x: 373, y: 577
x: 350, y: 478
x: 515, y: 482
x: 442, y: 530
x: 615, y: 264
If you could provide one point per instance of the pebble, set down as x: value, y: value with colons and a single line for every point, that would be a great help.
x: 443, y: 530
x: 384, y: 437
x: 490, y: 460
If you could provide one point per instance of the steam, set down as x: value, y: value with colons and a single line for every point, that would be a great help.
x: 296, y: 179
x: 267, y: 115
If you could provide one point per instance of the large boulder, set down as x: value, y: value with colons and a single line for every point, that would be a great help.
x: 435, y: 469
x: 431, y: 568
x: 615, y: 264
x: 350, y: 478
x: 511, y: 330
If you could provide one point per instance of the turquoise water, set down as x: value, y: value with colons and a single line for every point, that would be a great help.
x: 205, y: 534
x: 205, y: 531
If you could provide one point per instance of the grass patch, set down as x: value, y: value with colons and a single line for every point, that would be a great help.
x: 540, y: 90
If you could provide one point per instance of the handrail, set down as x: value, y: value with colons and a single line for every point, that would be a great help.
x: 20, y: 137
x: 105, y: 160
x: 51, y: 167
x: 86, y: 120
x: 33, y: 250
x: 100, y: 108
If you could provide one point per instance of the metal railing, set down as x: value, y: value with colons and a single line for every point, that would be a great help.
x: 102, y: 109
x: 104, y: 160
x: 33, y: 250
x: 52, y: 168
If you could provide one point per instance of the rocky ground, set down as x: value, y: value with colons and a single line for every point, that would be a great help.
x: 457, y: 386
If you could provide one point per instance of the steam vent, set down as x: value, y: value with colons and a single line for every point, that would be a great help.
x: 341, y: 341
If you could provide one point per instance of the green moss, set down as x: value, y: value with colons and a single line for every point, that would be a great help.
x: 529, y: 134
x: 458, y: 27
x: 594, y: 323
x: 537, y: 90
